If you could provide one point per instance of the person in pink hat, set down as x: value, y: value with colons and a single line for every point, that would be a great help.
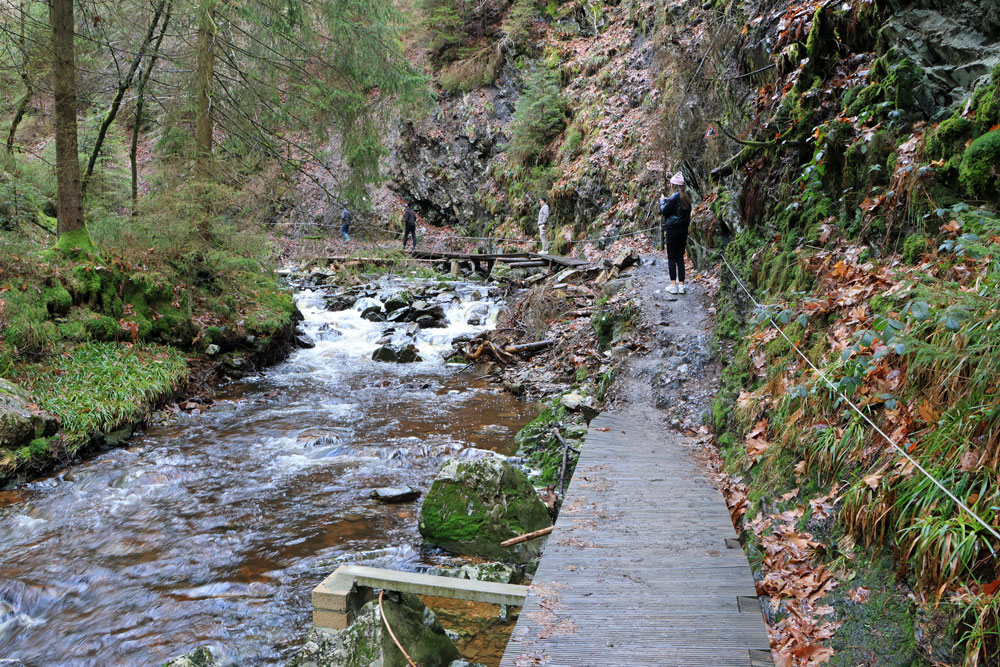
x: 675, y: 218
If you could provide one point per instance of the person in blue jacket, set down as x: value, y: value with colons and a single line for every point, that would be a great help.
x: 675, y: 218
x: 345, y: 223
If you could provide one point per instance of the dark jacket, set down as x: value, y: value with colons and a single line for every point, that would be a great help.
x: 409, y: 217
x: 345, y: 217
x: 675, y: 218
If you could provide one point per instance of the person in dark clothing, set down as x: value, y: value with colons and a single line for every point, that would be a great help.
x: 675, y: 212
x: 345, y: 223
x: 409, y: 225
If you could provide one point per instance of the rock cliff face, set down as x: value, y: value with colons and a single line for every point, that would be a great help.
x: 953, y: 43
x: 645, y: 84
x: 453, y: 163
x: 440, y: 162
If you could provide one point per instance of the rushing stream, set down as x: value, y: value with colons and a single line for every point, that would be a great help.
x: 213, y: 529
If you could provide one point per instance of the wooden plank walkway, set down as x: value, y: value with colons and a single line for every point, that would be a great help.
x: 486, y: 260
x: 644, y: 566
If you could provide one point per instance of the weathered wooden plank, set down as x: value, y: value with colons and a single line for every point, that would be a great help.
x: 644, y: 566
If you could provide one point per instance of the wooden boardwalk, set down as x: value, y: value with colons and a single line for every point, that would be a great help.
x: 644, y: 566
x: 481, y: 263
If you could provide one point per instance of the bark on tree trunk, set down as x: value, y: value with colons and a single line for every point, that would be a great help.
x: 69, y: 195
x: 123, y: 86
x: 22, y: 103
x: 140, y: 103
x: 203, y: 92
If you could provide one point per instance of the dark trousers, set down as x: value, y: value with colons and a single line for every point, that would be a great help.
x: 675, y: 254
x: 410, y: 230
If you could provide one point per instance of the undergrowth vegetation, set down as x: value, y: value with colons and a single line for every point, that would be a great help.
x: 878, y: 272
x: 870, y: 234
x: 99, y: 333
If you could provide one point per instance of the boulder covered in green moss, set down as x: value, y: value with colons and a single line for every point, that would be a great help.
x: 200, y: 657
x: 473, y: 506
x: 366, y: 642
x: 20, y: 420
x: 980, y: 170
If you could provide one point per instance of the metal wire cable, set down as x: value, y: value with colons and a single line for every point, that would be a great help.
x: 849, y: 402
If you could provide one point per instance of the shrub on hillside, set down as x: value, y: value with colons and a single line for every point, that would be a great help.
x: 540, y: 116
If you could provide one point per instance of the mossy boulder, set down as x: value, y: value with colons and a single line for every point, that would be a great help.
x: 367, y: 644
x: 200, y: 657
x: 473, y: 506
x: 949, y: 138
x: 57, y: 299
x: 20, y: 421
x: 397, y: 301
x: 980, y: 170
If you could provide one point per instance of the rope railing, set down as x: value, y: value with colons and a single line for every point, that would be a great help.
x: 992, y: 531
x: 395, y: 641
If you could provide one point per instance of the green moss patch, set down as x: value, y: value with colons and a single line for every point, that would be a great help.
x: 980, y: 170
x: 473, y: 506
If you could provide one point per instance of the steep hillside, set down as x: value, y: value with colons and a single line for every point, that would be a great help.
x: 845, y: 159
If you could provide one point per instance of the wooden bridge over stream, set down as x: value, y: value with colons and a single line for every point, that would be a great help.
x: 644, y: 566
x: 480, y: 263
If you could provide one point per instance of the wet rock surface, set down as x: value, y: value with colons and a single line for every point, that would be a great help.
x: 395, y: 494
x: 475, y: 505
x: 367, y: 643
x: 200, y: 657
x: 20, y: 420
x: 401, y: 354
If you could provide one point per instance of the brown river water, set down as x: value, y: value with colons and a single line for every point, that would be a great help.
x: 213, y: 529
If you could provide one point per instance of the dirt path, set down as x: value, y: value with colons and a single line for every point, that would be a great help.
x: 675, y: 383
x: 644, y: 566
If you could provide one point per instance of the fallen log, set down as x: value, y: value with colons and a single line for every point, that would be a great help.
x: 527, y: 265
x: 530, y: 347
x: 527, y: 537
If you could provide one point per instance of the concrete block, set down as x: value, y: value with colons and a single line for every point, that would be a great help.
x: 333, y: 620
x: 334, y: 601
x: 334, y: 592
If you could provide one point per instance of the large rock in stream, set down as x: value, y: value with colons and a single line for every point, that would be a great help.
x: 400, y: 354
x: 475, y: 505
x: 20, y: 420
x: 367, y: 643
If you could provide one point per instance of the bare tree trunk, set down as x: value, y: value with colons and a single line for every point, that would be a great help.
x: 68, y: 192
x: 139, y: 108
x: 123, y: 86
x: 203, y: 92
x: 29, y: 90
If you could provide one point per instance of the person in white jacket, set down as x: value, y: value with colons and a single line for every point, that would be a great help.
x: 543, y: 224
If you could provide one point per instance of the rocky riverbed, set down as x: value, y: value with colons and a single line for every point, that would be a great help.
x: 211, y: 528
